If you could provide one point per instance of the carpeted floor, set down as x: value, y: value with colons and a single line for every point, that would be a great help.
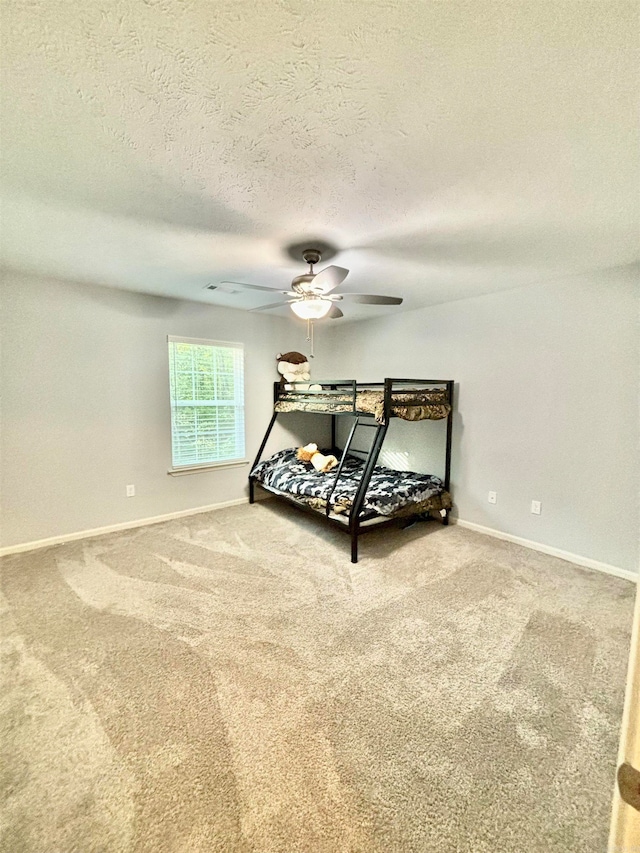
x: 230, y: 682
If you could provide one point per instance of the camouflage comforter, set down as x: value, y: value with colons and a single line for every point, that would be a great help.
x: 409, y: 405
x: 390, y: 492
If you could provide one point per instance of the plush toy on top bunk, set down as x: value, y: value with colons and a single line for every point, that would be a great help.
x: 310, y: 453
x: 294, y: 367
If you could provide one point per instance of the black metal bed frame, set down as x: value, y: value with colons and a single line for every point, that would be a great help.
x: 356, y: 519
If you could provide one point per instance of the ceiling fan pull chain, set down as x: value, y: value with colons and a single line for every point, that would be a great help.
x: 310, y: 337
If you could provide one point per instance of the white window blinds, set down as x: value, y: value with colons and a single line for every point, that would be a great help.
x: 207, y: 401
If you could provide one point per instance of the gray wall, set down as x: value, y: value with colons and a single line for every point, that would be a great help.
x: 547, y: 406
x: 85, y: 404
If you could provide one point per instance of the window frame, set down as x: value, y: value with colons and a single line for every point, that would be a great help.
x: 193, y: 468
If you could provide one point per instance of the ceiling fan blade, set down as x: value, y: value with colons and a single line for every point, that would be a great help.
x: 250, y: 286
x: 372, y: 299
x: 273, y: 305
x: 328, y: 278
x: 334, y: 313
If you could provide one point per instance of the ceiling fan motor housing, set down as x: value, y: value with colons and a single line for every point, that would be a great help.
x: 302, y: 282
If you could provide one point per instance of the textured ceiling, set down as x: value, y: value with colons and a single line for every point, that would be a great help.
x: 446, y: 148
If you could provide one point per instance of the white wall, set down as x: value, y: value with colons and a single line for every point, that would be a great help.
x: 547, y: 405
x: 85, y: 404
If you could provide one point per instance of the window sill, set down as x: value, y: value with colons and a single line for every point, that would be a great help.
x: 197, y: 469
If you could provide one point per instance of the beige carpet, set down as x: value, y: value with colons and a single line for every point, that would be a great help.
x: 230, y: 682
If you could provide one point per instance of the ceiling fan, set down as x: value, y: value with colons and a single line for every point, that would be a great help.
x: 311, y: 292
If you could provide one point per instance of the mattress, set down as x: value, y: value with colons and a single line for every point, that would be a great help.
x: 390, y: 492
x: 409, y: 405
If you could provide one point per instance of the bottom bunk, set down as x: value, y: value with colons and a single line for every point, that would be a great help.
x: 390, y: 494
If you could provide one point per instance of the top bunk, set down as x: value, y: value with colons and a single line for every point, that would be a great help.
x: 409, y: 399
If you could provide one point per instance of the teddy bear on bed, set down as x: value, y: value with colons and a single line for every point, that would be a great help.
x: 294, y: 367
x: 310, y: 453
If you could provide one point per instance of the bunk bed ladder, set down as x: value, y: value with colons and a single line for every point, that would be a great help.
x: 345, y: 451
x: 372, y: 458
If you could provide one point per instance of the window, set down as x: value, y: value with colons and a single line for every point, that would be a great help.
x: 207, y: 402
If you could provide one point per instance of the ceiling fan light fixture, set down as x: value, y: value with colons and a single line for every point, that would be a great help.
x: 311, y: 309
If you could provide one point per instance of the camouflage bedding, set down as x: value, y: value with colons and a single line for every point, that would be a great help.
x: 408, y: 405
x: 390, y: 493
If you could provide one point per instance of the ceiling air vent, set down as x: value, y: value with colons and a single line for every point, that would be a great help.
x: 225, y: 287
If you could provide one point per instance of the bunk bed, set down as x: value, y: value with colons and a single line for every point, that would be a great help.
x: 358, y: 495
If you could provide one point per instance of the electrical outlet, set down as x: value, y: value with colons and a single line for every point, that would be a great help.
x: 493, y: 497
x: 536, y: 507
x: 131, y: 491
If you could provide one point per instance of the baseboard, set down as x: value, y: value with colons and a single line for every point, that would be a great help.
x: 587, y: 562
x: 577, y: 559
x: 113, y: 528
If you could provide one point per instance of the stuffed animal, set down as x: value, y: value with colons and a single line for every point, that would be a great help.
x: 294, y: 367
x: 310, y: 453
